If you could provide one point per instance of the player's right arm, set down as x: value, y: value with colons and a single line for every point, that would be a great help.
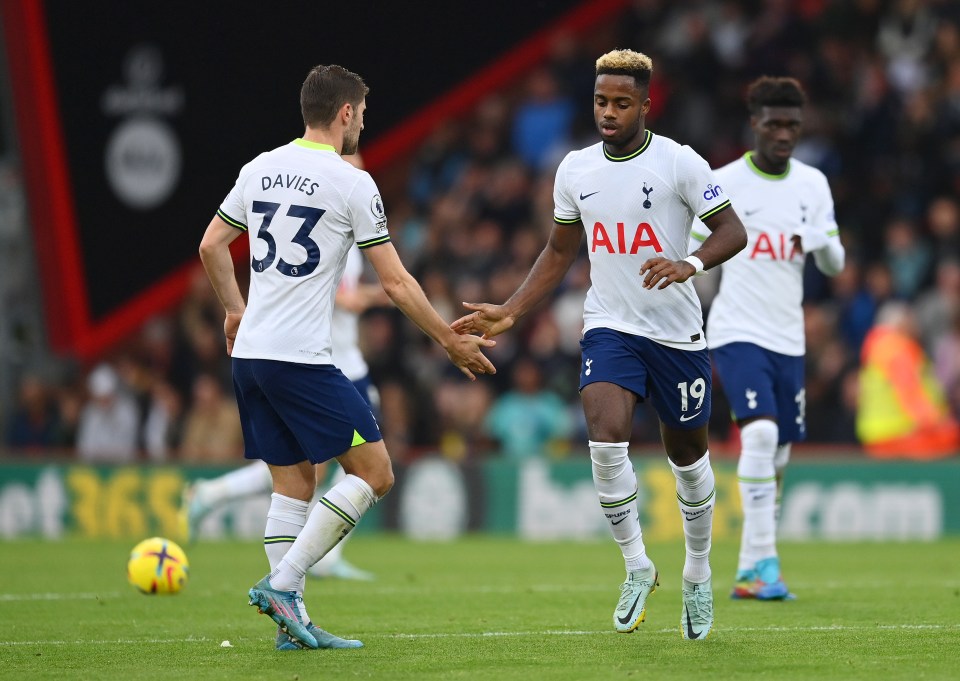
x: 463, y: 350
x: 547, y: 273
x: 218, y: 263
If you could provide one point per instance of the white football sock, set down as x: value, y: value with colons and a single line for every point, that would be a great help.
x: 756, y: 476
x: 780, y: 461
x: 337, y: 512
x: 325, y: 564
x: 285, y: 520
x: 616, y: 484
x: 252, y: 479
x: 696, y: 494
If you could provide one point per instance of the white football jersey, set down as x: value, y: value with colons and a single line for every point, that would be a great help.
x: 633, y: 208
x: 346, y: 331
x: 305, y: 207
x: 761, y: 290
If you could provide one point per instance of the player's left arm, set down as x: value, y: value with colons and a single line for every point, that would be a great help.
x: 698, y: 188
x: 360, y: 298
x: 218, y: 263
x: 727, y: 238
x: 821, y: 236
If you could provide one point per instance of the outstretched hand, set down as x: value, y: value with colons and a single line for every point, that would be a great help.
x: 665, y: 272
x: 486, y: 320
x: 465, y: 353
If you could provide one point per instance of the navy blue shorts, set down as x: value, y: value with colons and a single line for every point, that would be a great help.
x: 677, y: 381
x: 759, y: 382
x: 295, y: 412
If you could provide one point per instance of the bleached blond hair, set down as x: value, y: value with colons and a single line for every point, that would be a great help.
x: 626, y: 63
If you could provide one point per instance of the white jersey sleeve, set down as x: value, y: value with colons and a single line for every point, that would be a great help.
x: 565, y: 211
x: 697, y: 184
x: 821, y: 237
x: 366, y: 213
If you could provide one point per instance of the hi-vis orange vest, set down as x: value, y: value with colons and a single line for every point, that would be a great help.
x: 902, y: 410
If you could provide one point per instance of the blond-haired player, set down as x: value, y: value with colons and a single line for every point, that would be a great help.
x: 635, y: 194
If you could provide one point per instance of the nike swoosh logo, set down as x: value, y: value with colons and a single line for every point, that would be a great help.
x: 752, y: 212
x: 624, y: 620
x: 617, y: 522
x: 691, y: 634
x: 687, y: 418
x: 587, y: 196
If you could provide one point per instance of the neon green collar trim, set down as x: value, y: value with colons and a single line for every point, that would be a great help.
x: 643, y: 147
x: 300, y: 142
x: 748, y: 157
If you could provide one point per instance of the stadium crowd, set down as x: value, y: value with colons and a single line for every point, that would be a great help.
x: 883, y: 123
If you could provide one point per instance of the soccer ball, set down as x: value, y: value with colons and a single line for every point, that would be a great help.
x: 158, y: 566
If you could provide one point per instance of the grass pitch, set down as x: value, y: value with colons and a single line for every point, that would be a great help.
x: 481, y: 608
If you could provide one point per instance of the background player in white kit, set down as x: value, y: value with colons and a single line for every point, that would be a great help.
x: 308, y: 206
x: 202, y: 497
x: 755, y: 324
x: 636, y: 195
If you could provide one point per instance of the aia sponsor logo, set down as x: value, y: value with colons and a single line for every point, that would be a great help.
x: 616, y: 241
x: 775, y: 247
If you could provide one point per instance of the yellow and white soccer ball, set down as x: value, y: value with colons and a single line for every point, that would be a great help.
x: 158, y: 566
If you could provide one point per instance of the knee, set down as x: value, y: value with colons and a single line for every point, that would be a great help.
x: 381, y: 480
x: 295, y: 487
x: 759, y: 438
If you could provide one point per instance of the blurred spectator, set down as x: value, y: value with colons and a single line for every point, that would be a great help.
x: 69, y: 407
x: 34, y: 423
x: 904, y: 39
x: 826, y: 365
x: 908, y: 258
x: 943, y: 219
x: 902, y: 409
x: 528, y: 421
x: 946, y: 363
x: 936, y: 308
x: 461, y: 407
x: 162, y: 427
x: 858, y: 306
x: 108, y: 429
x: 211, y: 428
x: 543, y: 120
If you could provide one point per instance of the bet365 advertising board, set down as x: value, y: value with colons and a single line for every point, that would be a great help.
x: 435, y: 499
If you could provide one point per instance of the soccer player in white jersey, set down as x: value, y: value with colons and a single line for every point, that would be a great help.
x: 204, y: 496
x: 755, y: 324
x: 636, y: 194
x: 305, y: 206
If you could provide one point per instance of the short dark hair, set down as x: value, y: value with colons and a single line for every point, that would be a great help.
x: 772, y: 91
x: 325, y: 90
x: 626, y: 63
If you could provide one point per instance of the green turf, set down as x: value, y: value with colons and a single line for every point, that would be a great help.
x: 482, y: 608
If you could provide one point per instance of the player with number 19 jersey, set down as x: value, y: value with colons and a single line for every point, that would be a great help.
x: 634, y: 208
x: 304, y: 206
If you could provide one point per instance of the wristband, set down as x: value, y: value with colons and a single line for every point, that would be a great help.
x: 697, y: 264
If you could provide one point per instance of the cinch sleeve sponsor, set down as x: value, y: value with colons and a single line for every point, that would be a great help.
x: 698, y: 185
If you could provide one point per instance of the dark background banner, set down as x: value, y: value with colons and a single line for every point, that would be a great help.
x: 161, y: 103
